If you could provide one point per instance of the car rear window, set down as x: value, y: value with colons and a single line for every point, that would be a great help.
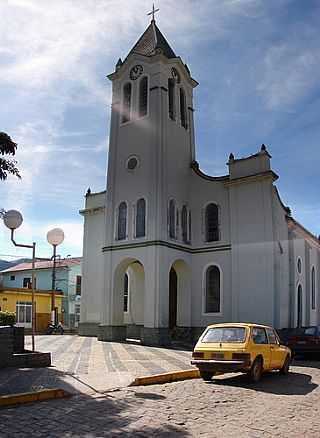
x: 225, y: 334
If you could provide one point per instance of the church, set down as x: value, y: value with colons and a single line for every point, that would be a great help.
x: 169, y: 249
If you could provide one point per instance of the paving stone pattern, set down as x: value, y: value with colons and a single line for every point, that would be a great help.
x: 86, y: 365
x: 227, y: 407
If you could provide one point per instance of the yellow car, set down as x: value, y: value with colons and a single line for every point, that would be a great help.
x: 237, y: 347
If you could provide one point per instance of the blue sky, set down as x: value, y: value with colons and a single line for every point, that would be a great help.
x: 257, y: 63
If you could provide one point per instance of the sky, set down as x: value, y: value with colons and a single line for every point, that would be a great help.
x: 257, y: 64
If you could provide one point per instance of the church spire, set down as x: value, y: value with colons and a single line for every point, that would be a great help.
x: 152, y: 41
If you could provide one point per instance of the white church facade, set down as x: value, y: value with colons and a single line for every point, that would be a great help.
x: 169, y: 249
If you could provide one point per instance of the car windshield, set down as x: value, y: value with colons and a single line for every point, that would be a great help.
x: 225, y: 334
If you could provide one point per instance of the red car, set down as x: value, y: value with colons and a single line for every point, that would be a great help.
x: 303, y: 340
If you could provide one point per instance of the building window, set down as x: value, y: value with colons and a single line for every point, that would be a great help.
x: 184, y: 224
x: 77, y: 313
x: 171, y: 92
x: 299, y: 306
x: 24, y: 312
x: 27, y: 282
x: 141, y: 218
x: 126, y: 293
x: 172, y: 219
x: 122, y: 221
x: 212, y: 290
x: 183, y: 112
x: 126, y: 103
x: 78, y: 285
x: 143, y: 97
x: 189, y: 226
x: 212, y: 223
x: 313, y: 288
x: 12, y: 277
x: 299, y: 265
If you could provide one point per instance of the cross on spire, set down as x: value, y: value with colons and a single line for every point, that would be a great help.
x: 153, y: 12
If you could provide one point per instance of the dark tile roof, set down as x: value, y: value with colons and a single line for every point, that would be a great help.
x: 151, y: 40
x: 45, y: 264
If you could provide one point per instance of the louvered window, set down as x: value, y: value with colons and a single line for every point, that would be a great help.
x: 171, y: 92
x: 212, y: 223
x: 126, y: 103
x: 141, y: 218
x: 213, y: 293
x: 172, y: 222
x: 183, y: 112
x: 184, y: 224
x: 122, y: 221
x: 143, y: 97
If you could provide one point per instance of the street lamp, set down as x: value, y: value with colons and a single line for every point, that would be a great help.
x: 13, y: 219
x: 55, y: 237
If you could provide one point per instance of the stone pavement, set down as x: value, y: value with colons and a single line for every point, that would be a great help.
x: 227, y: 407
x: 86, y: 365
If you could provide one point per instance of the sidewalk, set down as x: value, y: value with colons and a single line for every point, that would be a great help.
x: 86, y: 365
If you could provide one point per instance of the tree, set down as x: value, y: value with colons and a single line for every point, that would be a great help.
x: 7, y: 147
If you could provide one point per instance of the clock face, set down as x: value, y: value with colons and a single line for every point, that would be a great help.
x: 136, y: 71
x: 175, y: 75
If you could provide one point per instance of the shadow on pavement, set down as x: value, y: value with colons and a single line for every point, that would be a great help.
x: 273, y: 383
x: 99, y: 416
x: 19, y: 380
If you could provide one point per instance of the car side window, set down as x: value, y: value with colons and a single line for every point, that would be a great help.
x: 271, y: 336
x: 259, y: 335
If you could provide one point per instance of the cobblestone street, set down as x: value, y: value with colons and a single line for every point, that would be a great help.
x: 279, y: 406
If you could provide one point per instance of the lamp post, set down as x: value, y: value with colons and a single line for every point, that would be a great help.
x: 55, y: 237
x: 13, y: 219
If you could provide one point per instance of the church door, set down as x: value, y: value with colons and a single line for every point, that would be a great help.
x: 173, y: 281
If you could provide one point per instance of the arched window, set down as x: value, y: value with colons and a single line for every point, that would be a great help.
x: 126, y: 293
x: 122, y: 221
x: 299, y: 306
x: 143, y: 97
x: 141, y: 218
x: 313, y: 288
x: 212, y: 291
x: 126, y: 103
x: 212, y: 223
x: 189, y: 226
x: 184, y: 224
x: 171, y: 92
x: 172, y: 221
x: 183, y: 112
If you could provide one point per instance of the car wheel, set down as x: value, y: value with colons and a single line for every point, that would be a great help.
x: 286, y: 365
x: 256, y: 369
x: 205, y: 375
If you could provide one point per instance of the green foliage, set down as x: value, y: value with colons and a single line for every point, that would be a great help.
x: 7, y: 318
x: 7, y: 147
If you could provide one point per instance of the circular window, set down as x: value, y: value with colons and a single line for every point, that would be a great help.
x: 132, y: 163
x: 299, y: 266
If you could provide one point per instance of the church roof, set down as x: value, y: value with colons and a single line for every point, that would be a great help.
x: 151, y: 40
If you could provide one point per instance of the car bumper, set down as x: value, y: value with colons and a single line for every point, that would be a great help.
x: 225, y: 366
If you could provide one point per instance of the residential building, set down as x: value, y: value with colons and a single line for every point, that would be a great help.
x: 17, y: 280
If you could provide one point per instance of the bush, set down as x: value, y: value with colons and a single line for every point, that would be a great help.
x: 7, y: 318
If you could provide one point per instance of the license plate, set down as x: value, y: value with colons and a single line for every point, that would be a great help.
x: 217, y: 355
x: 301, y: 342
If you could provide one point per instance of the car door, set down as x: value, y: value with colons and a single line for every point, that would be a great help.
x: 277, y: 353
x: 260, y: 345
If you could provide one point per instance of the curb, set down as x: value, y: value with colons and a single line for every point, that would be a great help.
x: 28, y: 397
x: 174, y: 376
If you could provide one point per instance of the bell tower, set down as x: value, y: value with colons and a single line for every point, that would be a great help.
x: 151, y: 138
